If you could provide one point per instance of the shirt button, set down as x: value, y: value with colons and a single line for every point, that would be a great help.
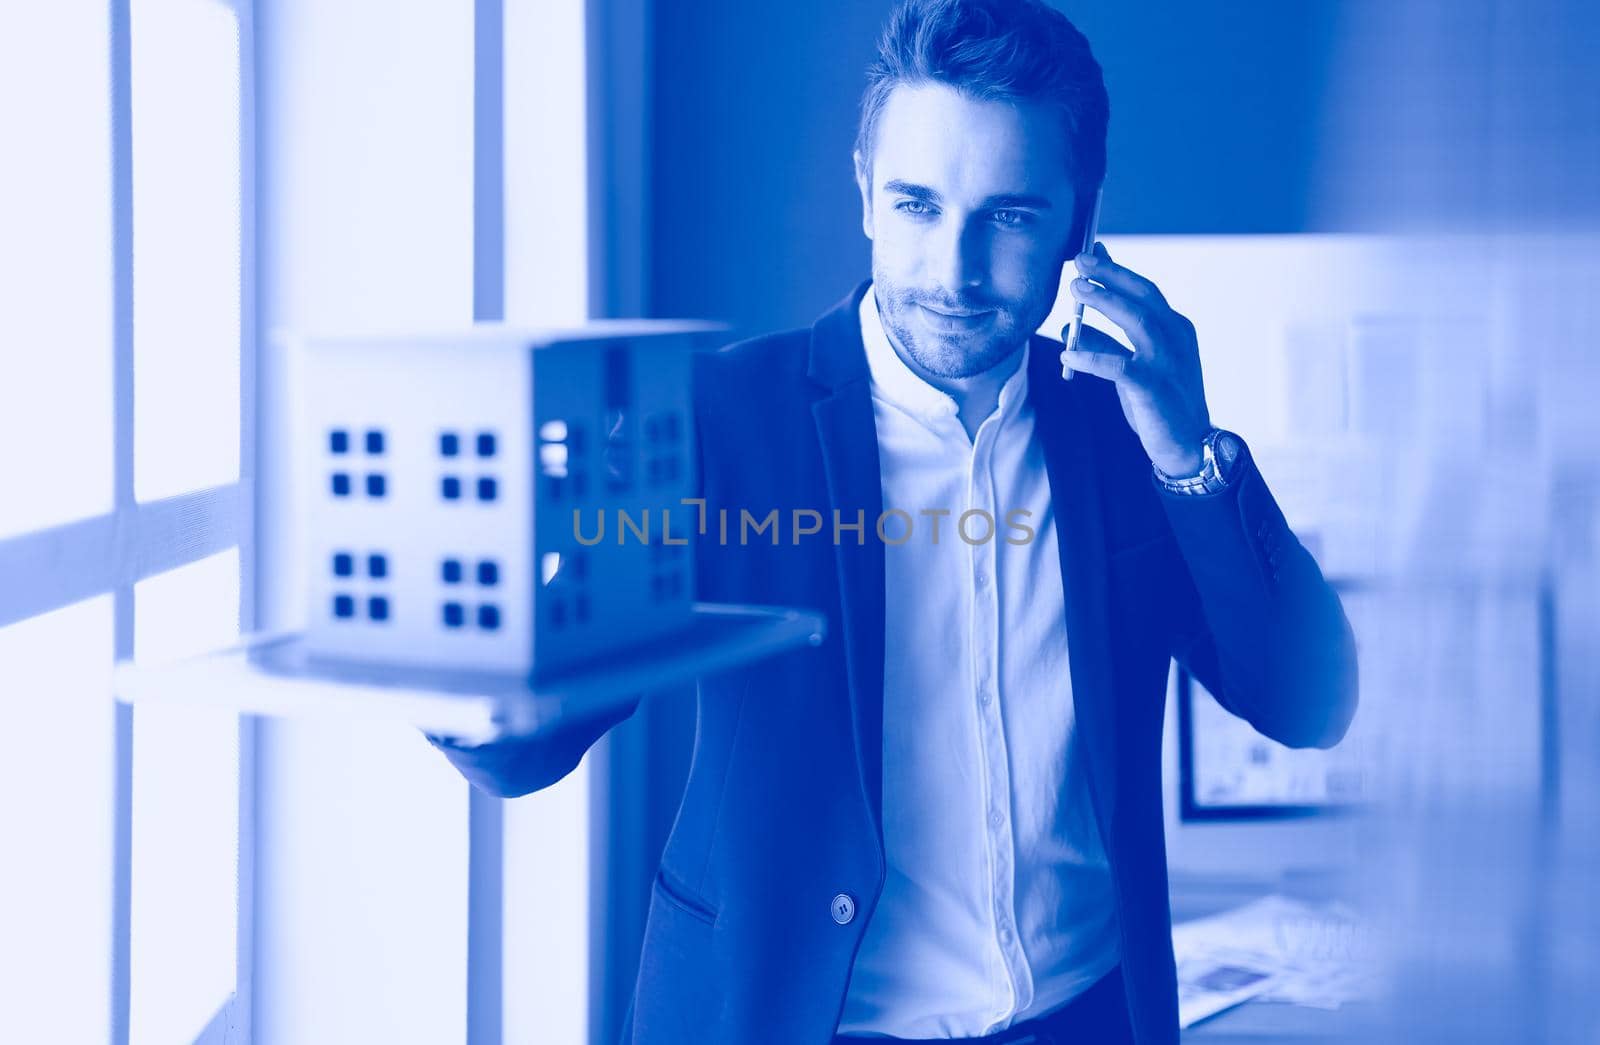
x: 844, y: 908
x: 996, y: 819
x: 983, y: 698
x: 982, y: 579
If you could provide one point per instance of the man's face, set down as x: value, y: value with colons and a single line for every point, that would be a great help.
x: 969, y: 208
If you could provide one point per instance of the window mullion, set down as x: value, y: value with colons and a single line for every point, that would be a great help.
x: 123, y: 501
x: 243, y: 1003
x: 48, y: 569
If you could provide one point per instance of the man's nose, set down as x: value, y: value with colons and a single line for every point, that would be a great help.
x: 961, y: 259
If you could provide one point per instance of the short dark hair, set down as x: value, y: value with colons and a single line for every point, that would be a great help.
x: 997, y: 50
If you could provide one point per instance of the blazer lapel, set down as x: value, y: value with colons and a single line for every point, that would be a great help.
x: 1060, y: 423
x: 848, y: 438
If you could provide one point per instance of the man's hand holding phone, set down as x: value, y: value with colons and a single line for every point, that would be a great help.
x: 1159, y: 382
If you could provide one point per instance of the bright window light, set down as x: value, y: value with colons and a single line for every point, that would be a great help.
x: 56, y: 819
x: 186, y: 274
x: 55, y: 264
x: 185, y: 814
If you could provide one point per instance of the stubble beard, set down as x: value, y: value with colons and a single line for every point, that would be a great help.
x: 948, y: 355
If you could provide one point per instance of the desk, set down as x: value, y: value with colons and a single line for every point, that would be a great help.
x: 1259, y: 1022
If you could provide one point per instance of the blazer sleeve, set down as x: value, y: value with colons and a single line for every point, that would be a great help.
x: 1259, y: 626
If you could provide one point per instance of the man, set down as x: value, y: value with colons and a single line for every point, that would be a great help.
x: 946, y: 822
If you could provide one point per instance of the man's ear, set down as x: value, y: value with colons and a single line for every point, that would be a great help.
x: 864, y: 185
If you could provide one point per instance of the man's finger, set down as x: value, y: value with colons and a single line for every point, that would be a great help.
x: 1135, y: 317
x: 1090, y: 339
x: 1095, y: 338
x: 1110, y: 363
x: 1099, y: 267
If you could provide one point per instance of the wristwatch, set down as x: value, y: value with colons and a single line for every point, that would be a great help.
x: 1218, y: 453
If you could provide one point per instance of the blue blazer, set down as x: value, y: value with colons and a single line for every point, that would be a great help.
x: 746, y: 940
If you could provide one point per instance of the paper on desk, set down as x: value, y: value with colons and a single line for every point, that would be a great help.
x: 1275, y: 948
x: 1207, y: 985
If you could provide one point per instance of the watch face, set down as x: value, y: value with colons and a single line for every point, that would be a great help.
x: 1228, y: 447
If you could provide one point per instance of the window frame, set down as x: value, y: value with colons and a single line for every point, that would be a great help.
x: 57, y: 566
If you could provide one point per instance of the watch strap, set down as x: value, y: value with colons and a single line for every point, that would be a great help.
x: 1214, y: 468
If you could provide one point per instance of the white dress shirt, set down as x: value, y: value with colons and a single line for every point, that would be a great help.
x: 997, y: 906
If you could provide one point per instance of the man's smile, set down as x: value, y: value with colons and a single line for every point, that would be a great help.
x: 955, y: 321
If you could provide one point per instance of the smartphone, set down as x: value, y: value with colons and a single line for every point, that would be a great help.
x: 1091, y: 232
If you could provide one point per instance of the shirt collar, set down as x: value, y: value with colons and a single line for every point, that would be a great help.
x: 897, y: 383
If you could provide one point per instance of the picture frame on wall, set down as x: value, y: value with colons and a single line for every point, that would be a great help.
x: 1434, y: 709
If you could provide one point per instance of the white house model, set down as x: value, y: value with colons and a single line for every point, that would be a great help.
x: 440, y: 475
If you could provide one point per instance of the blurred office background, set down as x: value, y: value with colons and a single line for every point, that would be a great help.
x: 1382, y: 218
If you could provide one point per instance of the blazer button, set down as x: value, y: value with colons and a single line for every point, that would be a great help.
x: 844, y: 908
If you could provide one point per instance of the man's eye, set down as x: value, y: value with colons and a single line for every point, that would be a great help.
x: 1012, y: 217
x: 914, y: 207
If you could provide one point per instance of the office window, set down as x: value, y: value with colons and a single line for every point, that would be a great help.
x: 186, y: 245
x: 57, y: 822
x: 185, y: 813
x: 123, y: 512
x: 55, y: 271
